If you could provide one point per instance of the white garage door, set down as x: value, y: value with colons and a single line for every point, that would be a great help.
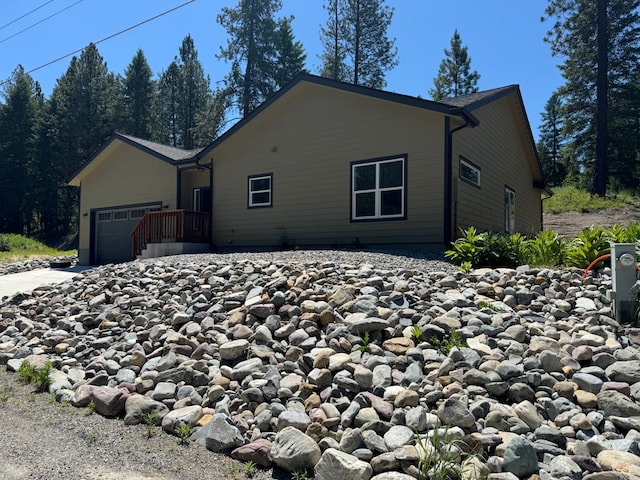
x: 112, y: 228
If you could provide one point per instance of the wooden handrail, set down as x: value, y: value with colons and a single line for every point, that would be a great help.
x: 171, y: 225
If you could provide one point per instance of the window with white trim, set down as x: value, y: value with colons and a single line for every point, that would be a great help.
x: 378, y: 189
x: 260, y: 194
x: 469, y: 172
x: 509, y: 209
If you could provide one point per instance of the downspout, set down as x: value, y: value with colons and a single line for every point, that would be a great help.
x: 469, y: 121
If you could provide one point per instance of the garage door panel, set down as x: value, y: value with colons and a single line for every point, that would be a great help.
x: 112, y: 228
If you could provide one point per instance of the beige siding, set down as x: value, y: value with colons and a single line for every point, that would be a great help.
x: 497, y: 146
x: 307, y: 141
x: 125, y: 176
x: 192, y: 178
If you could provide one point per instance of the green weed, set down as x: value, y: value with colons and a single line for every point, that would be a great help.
x: 28, y: 373
x: 250, y: 469
x: 445, y: 345
x: 184, y: 432
x: 149, y: 422
x: 467, y: 248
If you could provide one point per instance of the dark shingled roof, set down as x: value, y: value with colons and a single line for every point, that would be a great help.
x: 173, y: 153
x: 464, y: 101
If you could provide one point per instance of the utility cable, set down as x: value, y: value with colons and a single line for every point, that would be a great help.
x: 26, y: 14
x: 39, y: 22
x: 111, y: 36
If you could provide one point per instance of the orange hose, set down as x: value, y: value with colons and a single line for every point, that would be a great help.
x: 601, y: 257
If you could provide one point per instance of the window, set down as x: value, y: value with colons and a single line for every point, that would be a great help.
x: 469, y: 172
x: 378, y: 189
x: 260, y: 191
x: 121, y: 215
x: 104, y: 216
x: 202, y: 199
x: 137, y: 213
x: 509, y: 209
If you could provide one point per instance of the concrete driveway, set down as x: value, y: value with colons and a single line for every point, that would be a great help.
x: 27, y: 281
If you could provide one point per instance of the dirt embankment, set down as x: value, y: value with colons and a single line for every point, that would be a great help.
x: 568, y: 224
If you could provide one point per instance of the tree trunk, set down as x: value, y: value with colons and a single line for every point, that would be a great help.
x: 600, y: 174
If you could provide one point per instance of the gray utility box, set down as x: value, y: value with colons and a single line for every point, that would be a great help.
x: 624, y: 272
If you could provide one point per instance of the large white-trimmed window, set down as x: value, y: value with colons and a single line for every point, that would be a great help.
x: 509, y: 209
x: 260, y: 191
x: 378, y: 189
x: 469, y: 172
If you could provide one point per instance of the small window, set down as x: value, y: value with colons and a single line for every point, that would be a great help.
x: 197, y: 199
x: 509, y: 209
x: 378, y: 189
x: 469, y: 172
x: 260, y: 191
x: 104, y: 216
x: 137, y: 213
x: 120, y: 215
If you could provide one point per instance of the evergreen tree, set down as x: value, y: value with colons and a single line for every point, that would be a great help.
x: 18, y: 120
x: 194, y: 91
x: 334, y: 56
x: 572, y: 37
x: 251, y: 51
x: 551, y: 141
x: 184, y: 101
x: 138, y: 93
x: 290, y: 57
x: 167, y: 107
x: 357, y: 48
x: 83, y: 108
x: 454, y: 74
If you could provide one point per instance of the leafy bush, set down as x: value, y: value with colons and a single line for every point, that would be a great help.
x: 548, y: 248
x: 28, y: 373
x: 503, y: 250
x: 591, y: 243
x: 5, y: 246
x: 572, y: 199
x: 467, y: 248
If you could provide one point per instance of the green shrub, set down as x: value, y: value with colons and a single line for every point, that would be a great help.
x: 548, y: 248
x: 28, y: 373
x: 5, y: 246
x: 572, y: 199
x: 467, y: 248
x: 590, y: 243
x: 503, y: 250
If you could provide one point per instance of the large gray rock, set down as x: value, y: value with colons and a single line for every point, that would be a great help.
x: 137, y: 406
x: 624, y: 371
x: 335, y: 464
x: 292, y: 450
x: 614, y: 403
x: 183, y: 416
x: 520, y: 458
x: 455, y: 413
x: 222, y: 434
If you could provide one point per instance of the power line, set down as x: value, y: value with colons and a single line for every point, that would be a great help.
x: 39, y: 22
x: 26, y: 14
x: 110, y: 36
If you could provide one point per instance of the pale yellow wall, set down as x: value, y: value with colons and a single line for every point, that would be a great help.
x: 126, y: 176
x: 192, y: 178
x: 307, y: 140
x: 497, y: 146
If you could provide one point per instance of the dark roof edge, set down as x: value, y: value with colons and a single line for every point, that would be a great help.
x: 347, y: 87
x: 129, y: 141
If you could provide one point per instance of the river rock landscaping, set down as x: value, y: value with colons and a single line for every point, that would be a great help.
x: 348, y: 364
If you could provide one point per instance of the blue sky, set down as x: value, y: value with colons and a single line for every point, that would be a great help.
x: 504, y: 38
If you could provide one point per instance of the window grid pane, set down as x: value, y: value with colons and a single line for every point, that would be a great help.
x: 378, y: 190
x: 260, y: 191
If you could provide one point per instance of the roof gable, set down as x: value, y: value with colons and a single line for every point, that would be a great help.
x: 165, y: 153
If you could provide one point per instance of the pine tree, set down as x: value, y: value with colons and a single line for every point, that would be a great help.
x: 356, y: 46
x: 194, y: 91
x: 455, y: 76
x: 551, y: 141
x: 167, y: 107
x: 572, y: 37
x: 83, y: 109
x: 332, y: 36
x: 138, y: 93
x: 251, y: 51
x: 290, y: 57
x: 18, y: 120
